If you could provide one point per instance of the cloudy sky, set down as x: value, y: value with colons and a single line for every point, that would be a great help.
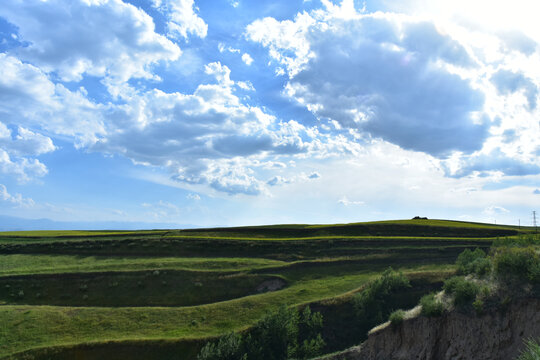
x: 237, y: 112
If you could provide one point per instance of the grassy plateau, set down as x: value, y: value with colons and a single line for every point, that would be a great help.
x: 162, y: 294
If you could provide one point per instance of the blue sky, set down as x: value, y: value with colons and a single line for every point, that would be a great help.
x: 203, y: 113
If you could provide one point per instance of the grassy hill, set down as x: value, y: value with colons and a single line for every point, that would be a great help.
x: 162, y: 294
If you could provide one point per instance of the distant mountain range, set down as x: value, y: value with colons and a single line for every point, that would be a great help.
x: 10, y: 223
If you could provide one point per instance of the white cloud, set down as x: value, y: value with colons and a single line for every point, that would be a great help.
x: 427, y: 83
x: 24, y: 169
x: 381, y: 74
x: 495, y: 210
x: 25, y: 143
x: 300, y: 178
x: 192, y: 196
x: 247, y: 59
x: 222, y: 48
x: 347, y: 202
x: 16, y: 153
x: 182, y: 17
x: 208, y: 137
x: 285, y: 35
x: 106, y: 38
x: 15, y: 200
x: 278, y: 180
x: 29, y: 100
x: 494, y: 162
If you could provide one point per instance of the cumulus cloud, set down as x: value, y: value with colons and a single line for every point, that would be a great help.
x: 208, y: 137
x: 536, y: 192
x: 508, y: 82
x: 24, y: 169
x: 278, y: 180
x: 16, y: 152
x: 30, y: 100
x: 300, y: 178
x: 25, y: 142
x: 182, y: 18
x: 385, y: 75
x: 100, y: 38
x: 247, y: 59
x: 15, y: 200
x: 515, y: 40
x: 495, y: 161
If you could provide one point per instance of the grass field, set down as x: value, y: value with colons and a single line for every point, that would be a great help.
x: 80, y: 294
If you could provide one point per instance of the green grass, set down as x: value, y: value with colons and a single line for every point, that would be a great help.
x: 26, y: 327
x: 428, y: 222
x: 21, y: 264
x: 206, y: 277
x: 75, y: 233
x: 132, y: 288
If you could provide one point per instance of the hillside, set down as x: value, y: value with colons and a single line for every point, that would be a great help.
x: 164, y: 293
x: 491, y: 311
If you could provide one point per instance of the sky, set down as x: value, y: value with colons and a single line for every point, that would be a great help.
x: 185, y: 113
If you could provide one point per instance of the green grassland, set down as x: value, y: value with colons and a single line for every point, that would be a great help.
x: 161, y: 294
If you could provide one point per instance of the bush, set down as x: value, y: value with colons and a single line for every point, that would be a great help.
x: 531, y: 352
x: 397, y: 317
x: 473, y: 262
x: 372, y: 303
x: 229, y: 347
x: 463, y: 291
x: 431, y: 306
x: 283, y: 334
x: 274, y: 336
x: 478, y: 305
x: 522, y: 263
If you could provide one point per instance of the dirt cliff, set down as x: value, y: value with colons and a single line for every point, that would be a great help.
x: 453, y: 336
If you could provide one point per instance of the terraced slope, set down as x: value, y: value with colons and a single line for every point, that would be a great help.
x: 161, y: 294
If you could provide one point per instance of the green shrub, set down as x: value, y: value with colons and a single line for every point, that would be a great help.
x: 431, y: 306
x: 229, y: 347
x: 473, y: 262
x: 478, y: 305
x: 463, y: 291
x: 397, y: 317
x: 274, y: 336
x: 283, y: 334
x: 531, y: 352
x: 372, y: 303
x: 521, y: 263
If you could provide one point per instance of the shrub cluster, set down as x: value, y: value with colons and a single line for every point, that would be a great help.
x: 473, y: 262
x: 464, y: 291
x: 397, y: 317
x: 284, y: 334
x: 372, y: 304
x: 431, y: 306
x: 521, y: 263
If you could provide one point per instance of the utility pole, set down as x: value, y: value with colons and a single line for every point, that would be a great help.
x: 534, y: 221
